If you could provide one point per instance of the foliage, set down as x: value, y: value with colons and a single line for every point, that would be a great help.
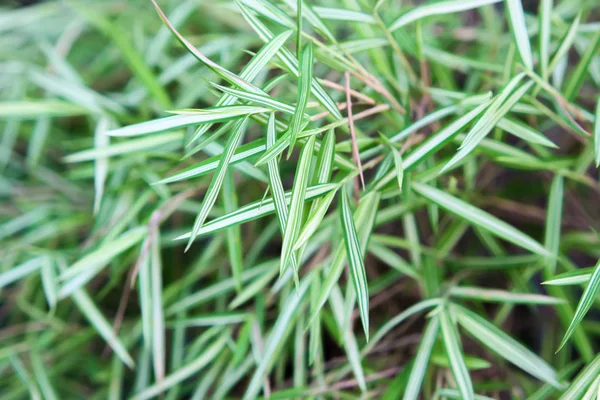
x: 299, y: 199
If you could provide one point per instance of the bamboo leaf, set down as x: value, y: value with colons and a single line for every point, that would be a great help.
x: 480, y: 218
x: 439, y: 8
x: 296, y: 213
x: 421, y: 363
x: 276, y: 338
x: 305, y: 78
x: 215, y: 184
x: 505, y: 346
x: 516, y: 18
x: 355, y: 261
x: 455, y: 356
x: 585, y: 303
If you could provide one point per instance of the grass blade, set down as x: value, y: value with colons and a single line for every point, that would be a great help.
x: 290, y: 61
x: 585, y: 303
x: 305, y: 78
x: 597, y: 133
x: 455, y: 355
x: 234, y: 234
x: 295, y: 215
x: 255, y: 210
x: 480, y: 218
x: 545, y: 23
x: 101, y: 325
x: 276, y: 338
x: 439, y: 8
x: 516, y: 18
x: 421, y: 363
x: 505, y: 346
x: 585, y: 378
x: 554, y: 223
x: 215, y: 184
x: 184, y: 372
x: 355, y: 261
x: 187, y: 118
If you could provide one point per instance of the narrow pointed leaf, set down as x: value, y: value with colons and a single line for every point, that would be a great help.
x: 585, y: 303
x: 421, y: 363
x: 296, y: 213
x: 255, y: 210
x: 215, y: 184
x: 516, y: 18
x: 505, y: 346
x: 304, y: 80
x: 480, y: 218
x: 355, y: 261
x: 455, y: 355
x: 276, y: 338
x: 439, y: 8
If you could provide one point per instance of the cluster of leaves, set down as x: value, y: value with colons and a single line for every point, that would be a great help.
x: 201, y: 199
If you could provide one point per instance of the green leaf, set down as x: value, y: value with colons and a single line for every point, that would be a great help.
x: 266, y: 101
x: 250, y: 72
x: 577, y: 76
x: 243, y: 153
x: 214, y: 319
x: 554, y: 223
x: 222, y: 287
x: 20, y: 271
x: 255, y: 210
x: 442, y: 137
x: 304, y: 80
x: 295, y: 215
x: 276, y: 338
x: 577, y: 277
x: 524, y: 132
x: 187, y: 118
x: 455, y: 355
x: 597, y: 133
x: 170, y: 140
x: 222, y: 72
x: 355, y: 261
x: 185, y: 372
x: 41, y: 375
x: 87, y: 267
x: 314, y: 220
x: 480, y: 218
x: 364, y: 219
x: 585, y: 378
x: 133, y: 59
x: 37, y: 108
x: 421, y: 363
x: 101, y: 325
x: 439, y: 8
x: 545, y: 37
x: 516, y: 18
x: 501, y: 296
x: 277, y: 189
x: 565, y: 44
x: 340, y: 14
x: 234, y: 234
x: 498, y: 109
x: 395, y: 321
x: 455, y: 394
x: 101, y: 140
x: 585, y: 303
x: 347, y: 338
x: 290, y: 61
x: 505, y: 346
x: 158, y: 319
x: 50, y: 282
x: 215, y: 184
